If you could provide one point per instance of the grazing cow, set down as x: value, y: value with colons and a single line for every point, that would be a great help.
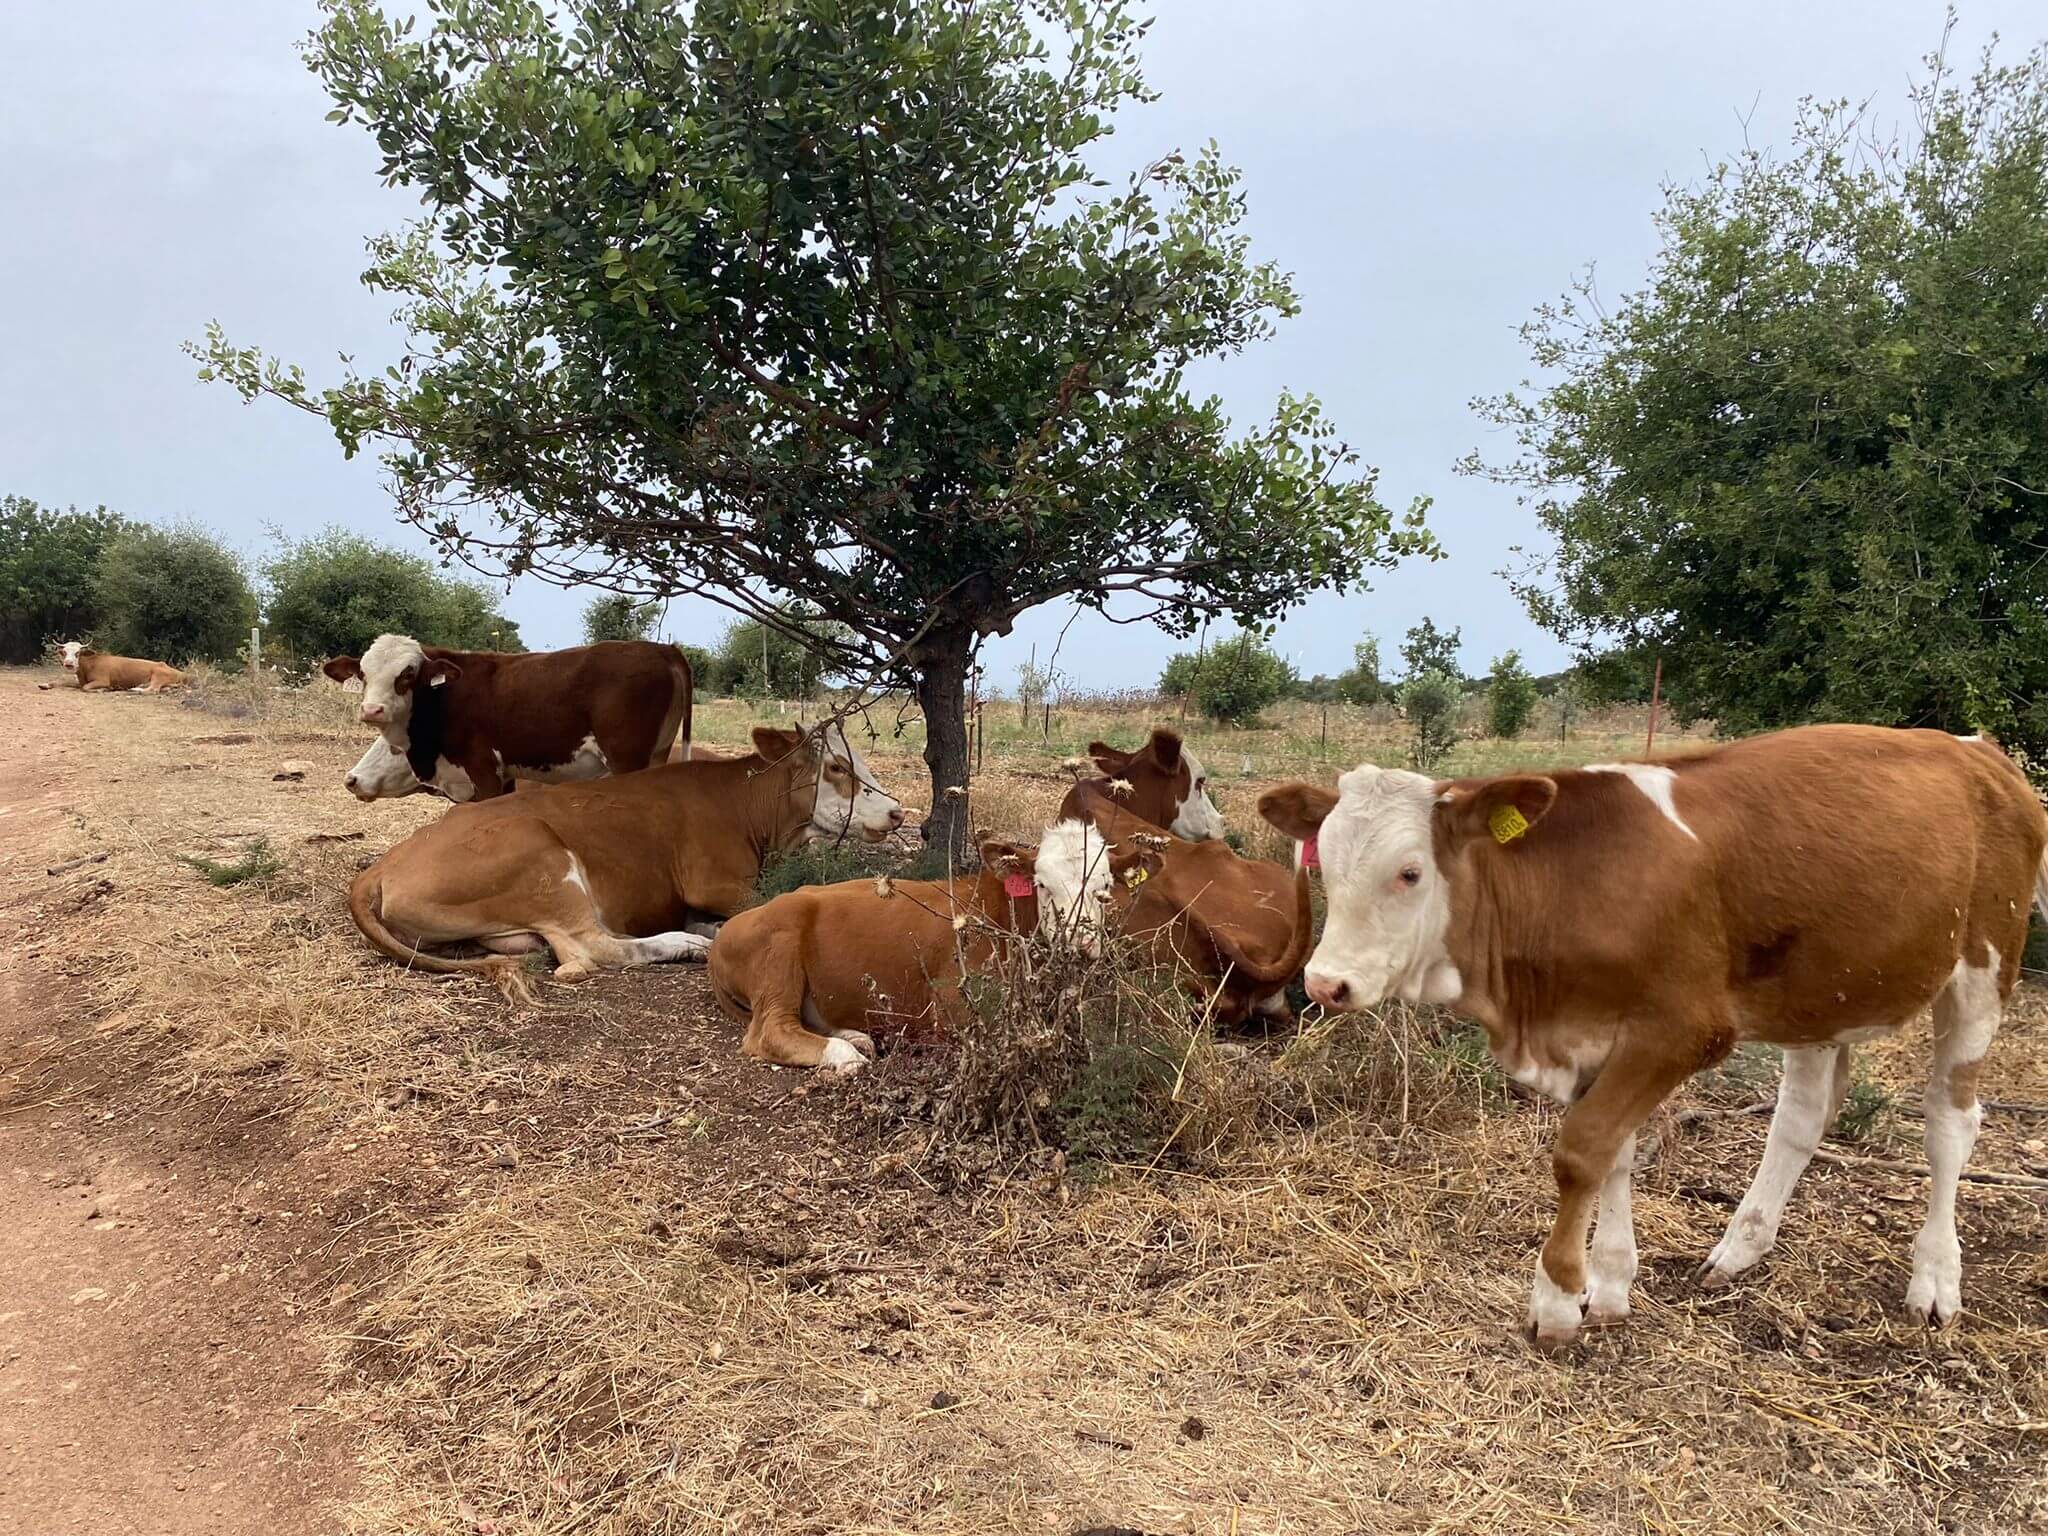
x: 808, y: 974
x: 1168, y: 786
x: 613, y: 873
x: 1237, y: 929
x: 1618, y: 928
x: 97, y: 672
x: 466, y: 722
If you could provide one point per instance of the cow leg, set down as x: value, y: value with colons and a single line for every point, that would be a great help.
x: 1966, y: 1016
x: 776, y: 1008
x: 1810, y: 1094
x: 1613, y: 1268
x: 1598, y: 1127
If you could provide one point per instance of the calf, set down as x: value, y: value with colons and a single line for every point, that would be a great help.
x: 97, y: 672
x: 1236, y: 929
x: 466, y: 722
x: 1618, y: 928
x: 611, y: 874
x: 808, y: 974
x: 1162, y: 783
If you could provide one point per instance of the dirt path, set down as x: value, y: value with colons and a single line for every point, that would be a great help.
x: 148, y: 1367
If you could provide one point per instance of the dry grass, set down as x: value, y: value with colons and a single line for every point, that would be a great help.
x: 763, y: 1315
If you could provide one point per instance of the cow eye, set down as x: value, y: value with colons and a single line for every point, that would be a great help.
x: 1411, y: 875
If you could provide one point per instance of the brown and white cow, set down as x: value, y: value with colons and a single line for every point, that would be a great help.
x: 1163, y: 783
x: 810, y: 973
x: 1236, y: 929
x: 98, y: 672
x: 464, y: 723
x: 625, y: 871
x: 1620, y: 927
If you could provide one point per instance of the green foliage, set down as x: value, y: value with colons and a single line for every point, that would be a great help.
x: 1430, y: 701
x: 47, y: 564
x: 172, y: 594
x: 825, y: 300
x: 1361, y: 683
x: 615, y: 616
x: 1806, y: 462
x: 332, y: 594
x: 1232, y: 682
x: 258, y: 862
x: 1429, y: 649
x: 794, y: 668
x: 1510, y: 697
x: 828, y: 863
x: 705, y: 675
x: 1620, y: 675
x: 1866, y: 1107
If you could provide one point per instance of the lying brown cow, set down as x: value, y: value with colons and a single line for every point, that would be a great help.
x: 467, y: 723
x: 621, y: 872
x: 97, y: 672
x: 1618, y: 928
x: 1237, y: 929
x: 1163, y: 783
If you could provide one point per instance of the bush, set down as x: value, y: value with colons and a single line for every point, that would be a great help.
x: 333, y: 594
x: 1361, y: 683
x: 1510, y: 697
x: 1233, y: 682
x: 172, y: 594
x: 616, y: 616
x: 794, y: 670
x: 47, y: 564
x: 1431, y: 703
x: 1429, y: 649
x: 704, y: 671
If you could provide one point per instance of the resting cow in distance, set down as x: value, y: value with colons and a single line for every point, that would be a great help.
x: 1166, y: 786
x: 621, y: 872
x: 1620, y: 927
x: 466, y: 723
x: 809, y: 974
x: 97, y: 672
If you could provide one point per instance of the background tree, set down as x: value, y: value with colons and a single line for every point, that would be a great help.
x: 1430, y: 700
x: 47, y: 564
x: 786, y: 660
x: 1807, y: 464
x: 1231, y: 681
x: 769, y: 301
x: 1360, y: 684
x: 1429, y: 649
x: 172, y: 594
x: 333, y: 594
x: 616, y: 616
x: 1510, y: 696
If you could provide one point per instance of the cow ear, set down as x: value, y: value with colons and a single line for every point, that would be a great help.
x: 1108, y: 758
x: 776, y: 745
x: 1297, y: 809
x: 1503, y: 809
x: 1133, y: 862
x: 1007, y: 858
x: 1165, y: 748
x: 437, y: 670
x: 342, y: 668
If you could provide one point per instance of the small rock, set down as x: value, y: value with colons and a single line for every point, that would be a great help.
x: 504, y: 1157
x: 1192, y: 1428
x: 944, y: 1400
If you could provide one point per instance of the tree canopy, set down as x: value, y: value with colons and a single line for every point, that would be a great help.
x: 172, y: 594
x: 333, y: 594
x: 823, y: 302
x: 48, y: 560
x: 1807, y: 464
x: 616, y: 616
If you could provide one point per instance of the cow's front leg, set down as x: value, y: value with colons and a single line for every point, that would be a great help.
x: 1613, y: 1268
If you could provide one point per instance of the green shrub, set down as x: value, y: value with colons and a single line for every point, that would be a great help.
x: 615, y: 616
x: 48, y: 560
x: 794, y: 670
x: 258, y: 862
x: 1429, y: 649
x: 332, y: 594
x: 1430, y: 702
x: 1361, y: 683
x: 172, y: 594
x: 1510, y: 697
x: 1231, y: 683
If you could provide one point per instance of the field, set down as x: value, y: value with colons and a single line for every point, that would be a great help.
x: 401, y: 1256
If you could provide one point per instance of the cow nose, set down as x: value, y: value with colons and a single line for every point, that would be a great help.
x: 896, y: 817
x: 373, y: 712
x: 349, y: 782
x: 1331, y: 992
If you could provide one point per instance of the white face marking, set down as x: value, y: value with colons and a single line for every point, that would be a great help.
x: 71, y: 650
x: 1197, y: 819
x: 586, y: 762
x: 848, y: 798
x: 1072, y: 880
x: 1655, y: 781
x: 1389, y: 905
x: 385, y: 705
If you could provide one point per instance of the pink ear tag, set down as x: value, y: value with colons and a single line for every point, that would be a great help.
x: 1017, y: 887
x: 1310, y: 858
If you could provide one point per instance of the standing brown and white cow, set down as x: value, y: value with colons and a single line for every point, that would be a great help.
x: 97, y: 672
x: 465, y: 723
x: 1162, y: 783
x: 1620, y: 927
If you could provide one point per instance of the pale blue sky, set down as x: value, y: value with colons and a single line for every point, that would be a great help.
x: 1428, y: 172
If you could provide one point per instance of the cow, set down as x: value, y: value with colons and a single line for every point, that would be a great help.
x: 1618, y: 928
x: 97, y: 672
x: 1236, y: 929
x: 1165, y: 785
x: 620, y: 872
x: 808, y: 974
x: 466, y: 723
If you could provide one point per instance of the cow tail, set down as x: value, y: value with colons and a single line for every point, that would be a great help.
x: 365, y: 897
x: 687, y: 683
x: 1298, y: 946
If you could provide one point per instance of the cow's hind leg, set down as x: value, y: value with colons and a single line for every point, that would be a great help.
x: 575, y: 930
x: 1966, y: 1016
x: 1810, y: 1095
x: 775, y: 1011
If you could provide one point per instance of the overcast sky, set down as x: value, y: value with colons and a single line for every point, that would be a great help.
x: 1429, y: 172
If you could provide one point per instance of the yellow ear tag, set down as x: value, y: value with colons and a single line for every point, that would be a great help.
x: 1137, y: 875
x: 1507, y: 823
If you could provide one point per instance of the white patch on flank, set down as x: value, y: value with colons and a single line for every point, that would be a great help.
x: 1073, y: 878
x: 1384, y: 936
x: 1655, y: 781
x: 1969, y: 738
x: 1966, y: 1018
x: 586, y: 762
x: 1197, y: 818
x: 1553, y: 1314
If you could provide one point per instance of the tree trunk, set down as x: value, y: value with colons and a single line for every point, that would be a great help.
x: 942, y: 693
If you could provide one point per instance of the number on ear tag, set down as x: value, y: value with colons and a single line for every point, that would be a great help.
x: 1507, y: 823
x: 1017, y: 887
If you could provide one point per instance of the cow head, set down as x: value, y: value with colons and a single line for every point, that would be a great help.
x: 382, y: 774
x: 1387, y: 840
x: 1169, y: 786
x: 72, y: 648
x: 848, y: 800
x: 392, y: 670
x: 1077, y: 875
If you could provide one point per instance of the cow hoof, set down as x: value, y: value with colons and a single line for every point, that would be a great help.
x: 1552, y: 1342
x: 863, y: 1043
x: 842, y: 1056
x: 575, y: 972
x: 1712, y: 1277
x: 1930, y: 1301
